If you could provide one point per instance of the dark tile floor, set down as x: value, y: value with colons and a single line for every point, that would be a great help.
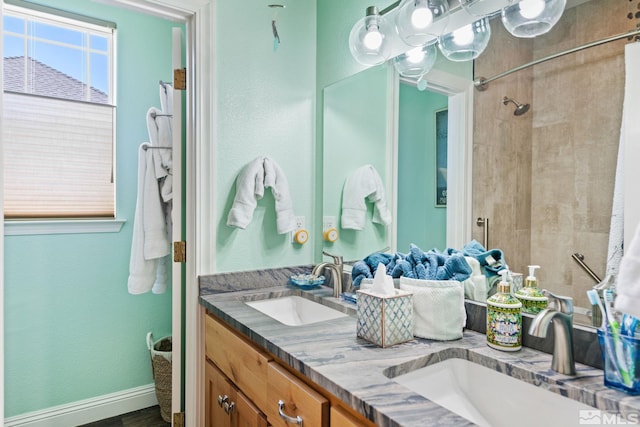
x: 149, y: 417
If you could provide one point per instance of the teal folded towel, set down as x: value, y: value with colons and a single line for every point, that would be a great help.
x: 417, y: 264
x: 491, y: 261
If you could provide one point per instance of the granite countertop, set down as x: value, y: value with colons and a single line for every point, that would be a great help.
x: 361, y: 374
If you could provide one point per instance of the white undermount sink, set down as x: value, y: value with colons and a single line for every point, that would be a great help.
x: 295, y: 310
x: 490, y: 398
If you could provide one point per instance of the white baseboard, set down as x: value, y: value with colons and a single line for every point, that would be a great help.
x: 88, y: 410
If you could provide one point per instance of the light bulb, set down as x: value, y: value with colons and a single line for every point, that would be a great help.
x: 463, y: 36
x: 530, y: 9
x: 373, y: 39
x: 415, y: 55
x: 421, y: 17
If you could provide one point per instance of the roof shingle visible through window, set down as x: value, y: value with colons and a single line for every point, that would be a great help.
x: 46, y: 81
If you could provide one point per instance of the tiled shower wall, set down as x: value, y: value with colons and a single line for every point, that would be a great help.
x: 545, y: 179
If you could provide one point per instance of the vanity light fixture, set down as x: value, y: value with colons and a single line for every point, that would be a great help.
x: 466, y: 43
x: 417, y: 61
x: 415, y: 19
x: 368, y: 38
x: 422, y: 22
x: 478, y: 7
x: 531, y: 18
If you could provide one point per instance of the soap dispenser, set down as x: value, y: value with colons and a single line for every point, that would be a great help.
x: 533, y: 301
x: 504, y: 317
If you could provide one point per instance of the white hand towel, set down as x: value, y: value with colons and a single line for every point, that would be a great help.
x: 150, y: 239
x: 249, y: 189
x: 628, y: 282
x: 275, y: 179
x: 364, y: 182
x: 250, y: 184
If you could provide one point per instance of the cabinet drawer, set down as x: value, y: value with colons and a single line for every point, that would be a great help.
x: 298, y: 398
x: 245, y: 365
x: 341, y: 418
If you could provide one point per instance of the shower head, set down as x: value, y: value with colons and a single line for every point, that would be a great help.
x: 520, y: 108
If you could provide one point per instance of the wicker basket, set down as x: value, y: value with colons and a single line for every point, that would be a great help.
x: 160, y: 352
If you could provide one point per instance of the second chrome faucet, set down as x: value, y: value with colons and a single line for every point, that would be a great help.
x: 336, y: 270
x: 560, y: 314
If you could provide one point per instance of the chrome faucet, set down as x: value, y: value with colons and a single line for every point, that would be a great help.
x: 335, y: 268
x: 560, y: 313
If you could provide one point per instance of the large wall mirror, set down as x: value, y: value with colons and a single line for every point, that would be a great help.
x: 545, y: 179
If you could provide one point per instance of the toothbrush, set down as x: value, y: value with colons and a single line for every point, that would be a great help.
x: 615, y: 331
x: 594, y: 299
x: 629, y: 325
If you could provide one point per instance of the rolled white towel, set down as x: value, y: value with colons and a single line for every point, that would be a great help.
x: 628, y: 282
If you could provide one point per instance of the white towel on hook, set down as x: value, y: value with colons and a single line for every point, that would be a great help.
x: 150, y: 242
x: 262, y: 172
x: 159, y: 128
x: 628, y: 281
x: 365, y: 182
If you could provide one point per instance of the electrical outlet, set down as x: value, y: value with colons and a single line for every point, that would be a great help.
x: 300, y: 225
x: 328, y: 222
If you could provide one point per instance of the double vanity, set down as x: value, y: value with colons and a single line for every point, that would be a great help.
x: 307, y: 367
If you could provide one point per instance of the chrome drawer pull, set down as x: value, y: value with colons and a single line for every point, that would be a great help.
x: 222, y: 400
x: 287, y: 418
x: 228, y: 407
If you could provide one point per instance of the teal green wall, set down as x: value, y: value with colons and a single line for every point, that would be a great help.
x: 419, y: 221
x: 355, y: 130
x: 72, y: 331
x: 265, y: 105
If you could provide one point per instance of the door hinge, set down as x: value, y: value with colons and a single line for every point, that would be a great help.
x: 180, y: 251
x: 180, y: 79
x: 178, y: 419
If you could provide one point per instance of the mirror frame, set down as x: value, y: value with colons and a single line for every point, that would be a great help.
x: 459, y: 154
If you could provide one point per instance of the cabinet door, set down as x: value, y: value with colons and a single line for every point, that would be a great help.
x: 217, y: 392
x: 246, y: 414
x: 241, y: 362
x: 297, y: 400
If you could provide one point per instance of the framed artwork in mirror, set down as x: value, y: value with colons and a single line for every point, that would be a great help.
x: 441, y: 122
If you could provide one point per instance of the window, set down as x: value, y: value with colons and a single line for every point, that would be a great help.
x: 59, y: 115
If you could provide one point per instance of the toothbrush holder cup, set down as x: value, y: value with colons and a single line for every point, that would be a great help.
x: 621, y: 361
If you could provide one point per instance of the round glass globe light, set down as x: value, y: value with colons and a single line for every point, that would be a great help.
x: 466, y: 43
x: 368, y: 40
x: 531, y: 18
x: 417, y: 61
x: 418, y: 21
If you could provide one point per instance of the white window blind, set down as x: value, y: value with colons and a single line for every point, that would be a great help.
x: 58, y: 158
x: 59, y: 114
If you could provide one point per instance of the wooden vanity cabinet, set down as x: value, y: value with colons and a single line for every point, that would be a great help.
x: 263, y: 391
x: 243, y: 363
x: 290, y: 397
x: 226, y: 406
x: 341, y: 418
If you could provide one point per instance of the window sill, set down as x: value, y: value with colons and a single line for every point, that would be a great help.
x: 27, y: 227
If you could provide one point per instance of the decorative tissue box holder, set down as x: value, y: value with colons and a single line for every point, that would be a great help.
x: 385, y: 320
